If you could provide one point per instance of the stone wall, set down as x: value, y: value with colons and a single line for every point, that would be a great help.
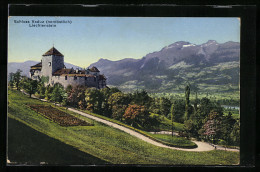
x: 46, y: 68
x: 72, y: 81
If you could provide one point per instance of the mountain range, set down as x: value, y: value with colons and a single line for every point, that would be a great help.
x: 25, y: 66
x: 211, y: 67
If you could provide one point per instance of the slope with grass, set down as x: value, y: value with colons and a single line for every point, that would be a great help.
x: 106, y: 143
x: 38, y: 148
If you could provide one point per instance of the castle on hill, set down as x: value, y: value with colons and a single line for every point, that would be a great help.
x: 52, y: 67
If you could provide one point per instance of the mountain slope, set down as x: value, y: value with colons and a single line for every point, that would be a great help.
x: 211, y: 66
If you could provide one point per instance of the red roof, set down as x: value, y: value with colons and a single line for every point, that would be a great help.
x: 52, y: 51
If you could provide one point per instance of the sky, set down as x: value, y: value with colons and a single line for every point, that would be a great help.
x: 85, y: 40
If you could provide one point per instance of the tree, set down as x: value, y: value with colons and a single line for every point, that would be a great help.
x: 17, y: 78
x: 195, y: 89
x: 187, y: 102
x: 76, y: 96
x: 227, y: 123
x: 165, y: 106
x: 11, y: 79
x: 179, y: 110
x: 136, y: 114
x: 41, y: 89
x: 106, y: 93
x: 57, y: 93
x: 118, y: 102
x: 93, y: 98
x: 29, y: 85
x: 212, y: 127
x: 141, y: 98
x: 68, y: 88
x: 172, y: 116
x: 48, y: 92
x: 235, y: 133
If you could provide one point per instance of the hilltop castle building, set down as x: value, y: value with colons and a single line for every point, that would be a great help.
x: 52, y: 67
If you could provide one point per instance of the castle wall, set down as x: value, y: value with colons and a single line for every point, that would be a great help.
x: 71, y: 81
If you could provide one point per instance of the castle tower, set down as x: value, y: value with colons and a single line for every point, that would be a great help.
x: 52, y: 61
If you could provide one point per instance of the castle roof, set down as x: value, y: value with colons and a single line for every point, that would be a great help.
x: 52, y: 51
x: 62, y: 71
x: 37, y: 66
x: 102, y: 77
x: 72, y: 72
x: 94, y: 69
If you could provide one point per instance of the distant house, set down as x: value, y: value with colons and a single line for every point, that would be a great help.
x: 52, y: 67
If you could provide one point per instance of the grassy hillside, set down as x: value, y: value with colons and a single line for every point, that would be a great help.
x: 103, y: 142
x: 38, y: 148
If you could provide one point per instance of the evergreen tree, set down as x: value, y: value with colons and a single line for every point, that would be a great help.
x: 172, y: 116
x: 187, y: 102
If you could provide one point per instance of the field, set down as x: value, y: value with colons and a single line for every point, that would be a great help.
x: 100, y: 142
x: 58, y: 116
x: 225, y: 98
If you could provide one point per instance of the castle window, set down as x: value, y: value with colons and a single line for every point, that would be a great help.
x: 49, y: 63
x: 66, y: 77
x: 86, y: 78
x: 75, y: 78
x: 94, y: 78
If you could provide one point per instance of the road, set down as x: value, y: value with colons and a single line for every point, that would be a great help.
x: 202, y: 146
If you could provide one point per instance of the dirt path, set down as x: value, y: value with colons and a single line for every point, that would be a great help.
x: 202, y: 146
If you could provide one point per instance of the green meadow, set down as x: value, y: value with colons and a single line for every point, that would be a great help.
x: 97, y: 144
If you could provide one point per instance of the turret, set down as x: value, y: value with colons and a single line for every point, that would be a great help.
x: 52, y: 61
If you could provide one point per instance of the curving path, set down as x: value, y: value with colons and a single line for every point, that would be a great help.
x: 202, y: 146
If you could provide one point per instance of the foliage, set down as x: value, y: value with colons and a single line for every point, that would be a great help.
x: 109, y: 144
x: 76, y: 96
x: 11, y: 79
x: 187, y: 103
x: 179, y: 110
x: 136, y: 114
x: 58, y: 93
x: 94, y: 100
x: 141, y: 98
x: 118, y: 102
x: 41, y: 89
x: 15, y: 79
x: 172, y: 117
x: 48, y: 92
x: 29, y: 85
x: 235, y: 134
x: 44, y: 79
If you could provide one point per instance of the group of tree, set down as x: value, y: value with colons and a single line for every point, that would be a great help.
x: 204, y: 119
x: 207, y: 121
